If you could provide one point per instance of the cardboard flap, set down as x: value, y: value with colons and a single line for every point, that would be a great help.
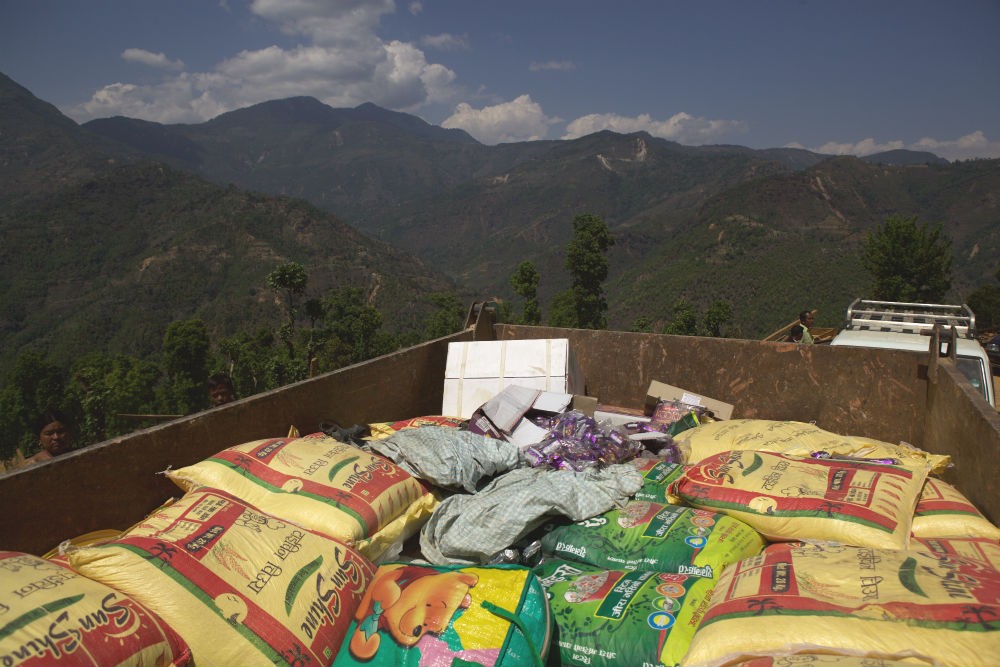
x: 506, y: 408
x: 660, y: 391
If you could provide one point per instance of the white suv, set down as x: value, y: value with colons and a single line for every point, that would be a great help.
x: 895, y: 325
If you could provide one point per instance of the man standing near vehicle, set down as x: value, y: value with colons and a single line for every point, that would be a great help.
x: 806, y: 321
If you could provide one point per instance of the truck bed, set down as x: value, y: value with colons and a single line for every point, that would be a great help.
x: 889, y: 395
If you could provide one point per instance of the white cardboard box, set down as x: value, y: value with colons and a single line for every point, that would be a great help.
x: 477, y: 371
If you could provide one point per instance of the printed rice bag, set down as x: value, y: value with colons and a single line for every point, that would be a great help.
x: 826, y: 660
x: 656, y: 478
x: 354, y: 496
x: 51, y: 616
x: 796, y: 439
x: 943, y: 511
x: 653, y: 536
x: 607, y: 618
x: 979, y: 549
x: 474, y: 616
x: 382, y: 430
x: 842, y: 600
x: 240, y: 586
x: 787, y: 498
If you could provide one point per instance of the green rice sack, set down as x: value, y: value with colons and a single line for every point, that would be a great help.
x: 609, y: 618
x: 656, y: 477
x: 653, y: 536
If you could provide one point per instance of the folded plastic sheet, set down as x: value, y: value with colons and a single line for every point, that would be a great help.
x: 470, y: 529
x: 448, y: 457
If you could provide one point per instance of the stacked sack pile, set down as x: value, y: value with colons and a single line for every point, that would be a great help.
x: 681, y: 541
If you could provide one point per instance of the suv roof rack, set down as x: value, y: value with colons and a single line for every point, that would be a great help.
x: 905, y: 317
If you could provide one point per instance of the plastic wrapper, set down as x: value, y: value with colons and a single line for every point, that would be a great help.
x: 576, y: 442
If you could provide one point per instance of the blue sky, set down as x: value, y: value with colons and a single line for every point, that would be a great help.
x: 834, y: 76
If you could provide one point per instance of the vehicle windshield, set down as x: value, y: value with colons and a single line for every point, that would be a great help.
x: 972, y: 369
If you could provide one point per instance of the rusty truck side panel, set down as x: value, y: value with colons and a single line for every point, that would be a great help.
x: 889, y: 395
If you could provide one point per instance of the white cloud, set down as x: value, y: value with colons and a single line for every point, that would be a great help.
x: 158, y: 60
x: 558, y: 65
x: 973, y: 145
x: 521, y: 119
x: 863, y: 147
x: 342, y: 62
x: 446, y: 42
x: 681, y: 127
x: 416, y: 7
x: 964, y: 148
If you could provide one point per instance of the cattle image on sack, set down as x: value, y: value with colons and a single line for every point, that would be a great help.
x: 420, y: 615
x: 654, y: 536
x: 607, y: 618
x: 241, y: 587
x: 51, y: 616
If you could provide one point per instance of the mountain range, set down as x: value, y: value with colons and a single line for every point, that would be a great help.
x: 362, y: 192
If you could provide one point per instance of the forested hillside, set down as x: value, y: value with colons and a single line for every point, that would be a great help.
x: 771, y: 231
x: 118, y: 230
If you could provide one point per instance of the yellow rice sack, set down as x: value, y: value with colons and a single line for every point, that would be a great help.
x: 826, y: 660
x: 877, y: 603
x: 242, y: 588
x: 354, y: 496
x: 382, y: 430
x: 51, y: 616
x: 977, y: 549
x: 795, y: 439
x: 790, y: 499
x: 943, y: 511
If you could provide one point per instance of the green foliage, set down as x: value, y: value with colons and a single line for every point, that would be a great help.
x: 524, y: 282
x: 447, y: 319
x: 718, y: 315
x: 588, y: 268
x: 907, y: 261
x: 186, y: 365
x: 985, y: 303
x: 105, y: 388
x: 247, y: 359
x: 642, y: 324
x: 289, y: 281
x: 33, y: 386
x: 562, y: 311
x: 354, y: 329
x: 685, y: 319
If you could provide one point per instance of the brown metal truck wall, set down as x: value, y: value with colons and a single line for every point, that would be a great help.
x: 880, y: 394
x: 114, y: 484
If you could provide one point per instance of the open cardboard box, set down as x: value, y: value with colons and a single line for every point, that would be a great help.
x: 508, y: 415
x: 659, y: 391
